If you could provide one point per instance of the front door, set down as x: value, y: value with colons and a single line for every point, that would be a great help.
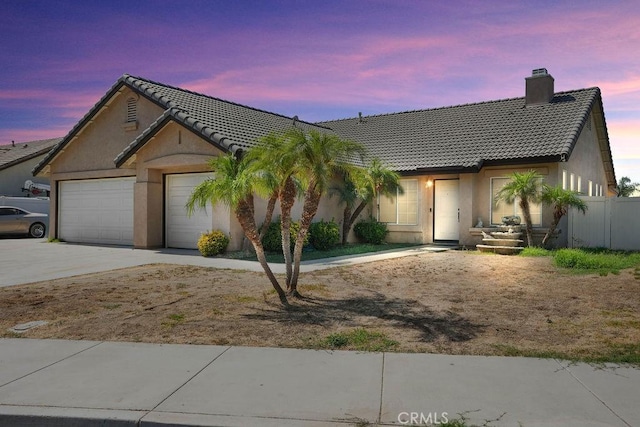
x: 446, y: 218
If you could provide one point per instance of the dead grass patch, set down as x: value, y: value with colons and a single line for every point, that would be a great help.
x: 452, y: 302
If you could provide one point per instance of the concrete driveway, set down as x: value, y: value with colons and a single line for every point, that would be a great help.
x: 25, y: 260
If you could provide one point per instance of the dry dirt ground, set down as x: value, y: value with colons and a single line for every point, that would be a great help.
x: 453, y: 302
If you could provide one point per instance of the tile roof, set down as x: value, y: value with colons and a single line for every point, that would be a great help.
x: 469, y: 136
x: 11, y: 155
x: 228, y: 125
x: 458, y: 138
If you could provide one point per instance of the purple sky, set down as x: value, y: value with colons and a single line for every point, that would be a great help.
x: 319, y: 60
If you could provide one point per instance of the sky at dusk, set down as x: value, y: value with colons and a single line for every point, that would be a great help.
x: 320, y: 60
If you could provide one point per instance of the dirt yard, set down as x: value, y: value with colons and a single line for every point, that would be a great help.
x: 451, y: 302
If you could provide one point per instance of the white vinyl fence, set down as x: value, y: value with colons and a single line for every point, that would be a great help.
x: 612, y: 222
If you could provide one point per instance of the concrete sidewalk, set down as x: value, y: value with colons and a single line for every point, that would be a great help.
x: 30, y: 260
x: 85, y: 383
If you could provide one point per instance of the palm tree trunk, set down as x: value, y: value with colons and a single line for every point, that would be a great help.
x: 524, y: 205
x: 309, y: 209
x: 363, y: 204
x: 271, y: 205
x: 346, y: 224
x: 349, y: 220
x: 287, y: 199
x: 552, y: 228
x: 245, y: 214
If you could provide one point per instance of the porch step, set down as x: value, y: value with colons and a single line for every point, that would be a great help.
x: 502, y: 242
x: 502, y: 250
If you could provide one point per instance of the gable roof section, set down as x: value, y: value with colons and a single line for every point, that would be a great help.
x: 226, y: 125
x: 466, y: 137
x: 11, y: 155
x: 461, y: 138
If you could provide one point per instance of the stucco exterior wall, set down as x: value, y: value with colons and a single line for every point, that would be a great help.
x: 586, y: 161
x: 92, y: 152
x: 12, y: 178
x: 95, y: 147
x: 173, y: 150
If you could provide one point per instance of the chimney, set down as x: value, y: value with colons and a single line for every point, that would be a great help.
x: 539, y: 87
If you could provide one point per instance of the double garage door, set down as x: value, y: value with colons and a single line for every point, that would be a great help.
x: 101, y: 211
x: 96, y: 211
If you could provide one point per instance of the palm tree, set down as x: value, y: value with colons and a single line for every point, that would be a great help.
x: 234, y: 185
x: 365, y: 186
x: 561, y: 200
x: 320, y: 157
x: 625, y: 187
x: 274, y: 157
x: 526, y: 188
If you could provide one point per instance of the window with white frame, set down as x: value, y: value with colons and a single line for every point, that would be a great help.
x: 401, y: 209
x: 500, y: 209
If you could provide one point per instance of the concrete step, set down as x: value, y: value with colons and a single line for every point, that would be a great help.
x: 502, y: 250
x: 502, y: 242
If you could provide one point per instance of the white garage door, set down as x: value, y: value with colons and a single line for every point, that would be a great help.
x: 183, y: 231
x: 96, y: 211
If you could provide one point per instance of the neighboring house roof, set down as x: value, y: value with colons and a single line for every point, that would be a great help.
x: 13, y: 154
x: 457, y: 139
x: 466, y: 137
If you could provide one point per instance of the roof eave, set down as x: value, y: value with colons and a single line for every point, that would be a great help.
x: 25, y: 158
x: 179, y: 117
x: 84, y: 121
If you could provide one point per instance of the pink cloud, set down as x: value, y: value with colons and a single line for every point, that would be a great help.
x: 628, y: 86
x: 623, y: 137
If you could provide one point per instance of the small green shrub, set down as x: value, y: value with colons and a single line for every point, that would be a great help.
x: 324, y: 235
x: 535, y: 251
x: 603, y: 261
x: 213, y: 243
x: 272, y: 240
x: 371, y: 231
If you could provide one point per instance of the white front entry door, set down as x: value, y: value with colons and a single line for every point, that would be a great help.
x: 446, y: 219
x: 182, y: 230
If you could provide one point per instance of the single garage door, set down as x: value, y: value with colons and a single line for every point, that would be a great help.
x: 96, y: 211
x: 183, y: 231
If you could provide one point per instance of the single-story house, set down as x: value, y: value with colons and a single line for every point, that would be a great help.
x: 123, y: 173
x: 16, y: 163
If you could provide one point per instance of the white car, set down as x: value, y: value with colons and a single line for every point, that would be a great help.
x: 18, y: 221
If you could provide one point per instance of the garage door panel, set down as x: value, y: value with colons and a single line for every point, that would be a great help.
x: 182, y: 230
x: 97, y: 211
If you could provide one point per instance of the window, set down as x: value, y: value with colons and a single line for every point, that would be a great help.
x: 403, y: 208
x: 132, y: 110
x: 572, y: 181
x: 11, y: 211
x: 579, y: 184
x: 590, y: 188
x: 498, y: 210
x: 564, y: 180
